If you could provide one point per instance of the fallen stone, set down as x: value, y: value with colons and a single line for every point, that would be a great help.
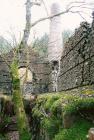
x: 91, y: 134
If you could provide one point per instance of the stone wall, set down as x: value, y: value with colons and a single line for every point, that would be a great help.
x: 77, y: 62
x: 38, y: 66
x: 5, y: 78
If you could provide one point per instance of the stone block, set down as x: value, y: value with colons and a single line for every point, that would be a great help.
x: 91, y: 134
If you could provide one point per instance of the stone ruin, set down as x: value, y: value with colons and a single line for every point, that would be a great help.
x: 38, y: 70
x: 5, y: 78
x: 77, y: 61
x: 75, y: 68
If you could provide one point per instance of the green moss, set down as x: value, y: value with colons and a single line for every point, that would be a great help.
x: 5, y: 120
x: 56, y: 108
x: 88, y: 91
x: 18, y: 103
x: 21, y: 116
x: 78, y: 104
x: 50, y: 100
x: 16, y: 84
x: 3, y: 137
x: 51, y: 108
x: 77, y: 132
x: 51, y: 126
x: 63, y: 103
x: 14, y: 69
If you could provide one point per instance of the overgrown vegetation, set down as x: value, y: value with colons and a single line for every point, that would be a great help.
x: 49, y: 114
x: 2, y: 137
x: 40, y: 45
x: 18, y: 104
x: 77, y: 132
x: 53, y: 111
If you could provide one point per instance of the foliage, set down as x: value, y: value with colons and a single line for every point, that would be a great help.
x: 51, y: 126
x: 78, y: 105
x: 50, y: 109
x: 40, y: 45
x: 14, y: 69
x: 77, y: 132
x: 21, y: 116
x: 4, y: 45
x: 66, y: 35
x: 63, y: 103
x: 2, y: 137
x: 4, y: 121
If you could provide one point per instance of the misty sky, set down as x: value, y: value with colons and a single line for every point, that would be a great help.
x: 12, y: 17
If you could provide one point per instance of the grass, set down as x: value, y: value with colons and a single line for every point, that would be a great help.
x: 78, y: 131
x: 51, y: 109
x: 3, y: 137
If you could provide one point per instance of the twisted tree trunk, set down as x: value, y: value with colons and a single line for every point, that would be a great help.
x: 18, y: 104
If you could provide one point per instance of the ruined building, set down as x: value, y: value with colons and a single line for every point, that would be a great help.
x: 67, y: 67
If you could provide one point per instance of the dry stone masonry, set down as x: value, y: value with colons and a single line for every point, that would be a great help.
x: 37, y: 67
x: 5, y: 78
x: 77, y: 61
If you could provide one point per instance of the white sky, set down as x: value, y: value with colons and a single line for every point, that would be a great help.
x: 12, y: 17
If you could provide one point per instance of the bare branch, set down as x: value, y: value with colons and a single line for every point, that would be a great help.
x: 4, y: 59
x: 69, y: 8
x: 49, y: 17
x: 76, y: 2
x: 79, y: 13
x: 45, y: 7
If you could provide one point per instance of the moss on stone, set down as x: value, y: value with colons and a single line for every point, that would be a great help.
x: 21, y: 116
x: 78, y: 131
x: 18, y: 104
x: 51, y: 110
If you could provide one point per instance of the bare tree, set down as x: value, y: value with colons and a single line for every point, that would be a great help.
x: 29, y: 5
x: 16, y: 92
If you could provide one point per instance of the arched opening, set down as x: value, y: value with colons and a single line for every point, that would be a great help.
x: 25, y: 75
x: 26, y: 79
